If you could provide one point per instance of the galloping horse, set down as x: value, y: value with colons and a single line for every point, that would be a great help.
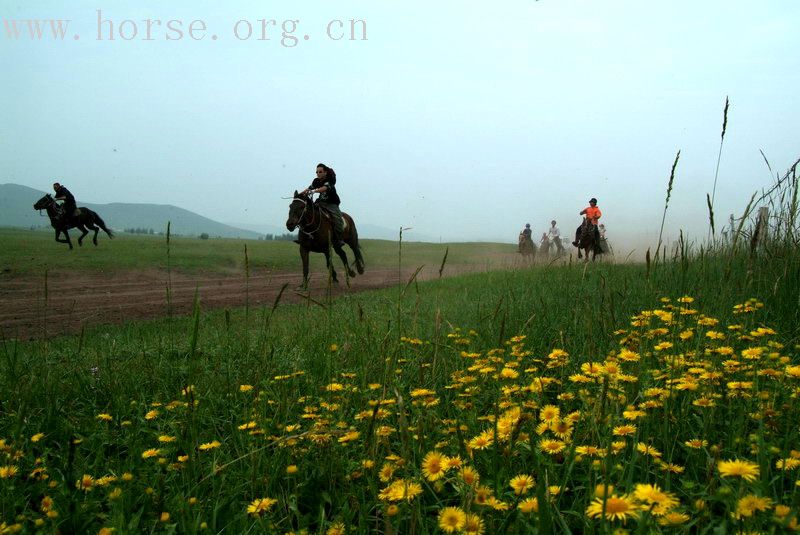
x: 85, y: 218
x: 316, y: 231
x: 526, y: 247
x: 588, y: 241
x: 544, y: 246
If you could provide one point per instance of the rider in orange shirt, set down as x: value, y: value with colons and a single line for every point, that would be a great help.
x: 593, y: 214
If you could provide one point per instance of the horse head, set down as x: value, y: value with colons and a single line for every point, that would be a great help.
x: 44, y: 203
x: 297, y: 209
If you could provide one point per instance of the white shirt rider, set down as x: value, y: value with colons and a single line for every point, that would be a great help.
x: 554, y: 234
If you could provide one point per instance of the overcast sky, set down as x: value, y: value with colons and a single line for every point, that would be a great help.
x: 464, y: 120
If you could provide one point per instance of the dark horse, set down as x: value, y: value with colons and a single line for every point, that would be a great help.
x: 85, y: 219
x: 526, y: 247
x: 315, y: 234
x: 588, y: 241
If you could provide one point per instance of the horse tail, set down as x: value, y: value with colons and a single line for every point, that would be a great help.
x: 100, y: 223
x: 355, y: 244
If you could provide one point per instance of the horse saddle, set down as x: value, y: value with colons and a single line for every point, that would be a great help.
x: 329, y: 217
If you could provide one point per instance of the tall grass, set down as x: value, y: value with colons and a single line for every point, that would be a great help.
x: 537, y: 400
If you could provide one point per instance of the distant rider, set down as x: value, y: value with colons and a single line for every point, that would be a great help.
x: 544, y: 241
x: 525, y: 236
x: 555, y: 236
x: 64, y: 195
x: 325, y: 185
x: 593, y: 214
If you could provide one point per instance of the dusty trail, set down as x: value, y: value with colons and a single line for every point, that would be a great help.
x: 74, y: 300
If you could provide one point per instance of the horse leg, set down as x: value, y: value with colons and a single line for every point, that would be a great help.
x: 92, y: 226
x: 84, y: 232
x: 343, y: 256
x: 66, y: 235
x: 357, y: 253
x: 329, y: 265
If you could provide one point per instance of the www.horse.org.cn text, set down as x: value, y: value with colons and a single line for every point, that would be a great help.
x: 287, y: 33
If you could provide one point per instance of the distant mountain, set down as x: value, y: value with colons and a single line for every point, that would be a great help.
x: 16, y: 210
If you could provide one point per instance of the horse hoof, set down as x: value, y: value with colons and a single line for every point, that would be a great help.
x: 360, y: 269
x: 351, y: 273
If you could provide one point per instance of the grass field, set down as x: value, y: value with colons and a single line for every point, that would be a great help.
x: 653, y: 397
x: 31, y: 252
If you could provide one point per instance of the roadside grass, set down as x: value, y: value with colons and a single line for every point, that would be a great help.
x: 31, y: 252
x: 366, y: 410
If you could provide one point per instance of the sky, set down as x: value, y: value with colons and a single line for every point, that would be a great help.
x: 462, y: 120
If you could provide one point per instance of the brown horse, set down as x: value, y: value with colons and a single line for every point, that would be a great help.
x: 316, y: 230
x: 526, y: 247
x: 59, y: 221
x: 588, y: 241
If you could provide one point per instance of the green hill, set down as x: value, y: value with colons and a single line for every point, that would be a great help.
x: 16, y: 210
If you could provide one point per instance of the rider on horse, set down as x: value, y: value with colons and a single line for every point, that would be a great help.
x: 325, y: 185
x: 555, y: 236
x: 592, y: 213
x: 525, y: 236
x: 70, y: 209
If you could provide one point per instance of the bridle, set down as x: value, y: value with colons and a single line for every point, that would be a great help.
x: 49, y: 204
x: 302, y: 215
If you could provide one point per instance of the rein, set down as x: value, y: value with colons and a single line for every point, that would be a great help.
x: 313, y: 217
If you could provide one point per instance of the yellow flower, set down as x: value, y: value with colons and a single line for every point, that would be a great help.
x: 651, y: 496
x: 750, y: 504
x: 696, y: 443
x: 646, y: 449
x: 245, y: 388
x: 338, y: 528
x: 349, y: 437
x: 85, y: 483
x: 209, y: 445
x: 624, y: 430
x: 474, y: 525
x: 37, y: 437
x: 151, y: 414
x: 401, y: 489
x: 615, y: 508
x: 153, y: 452
x: 673, y: 518
x: 529, y: 505
x: 736, y: 468
x: 549, y: 413
x: 552, y: 447
x: 164, y: 516
x: 8, y: 471
x: 482, y: 441
x: 166, y: 438
x: 261, y: 505
x: 470, y: 476
x: 433, y: 465
x: 787, y: 464
x: 521, y: 484
x: 508, y: 373
x: 104, y: 417
x: 452, y: 519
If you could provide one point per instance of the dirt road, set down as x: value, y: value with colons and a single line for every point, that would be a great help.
x: 29, y: 308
